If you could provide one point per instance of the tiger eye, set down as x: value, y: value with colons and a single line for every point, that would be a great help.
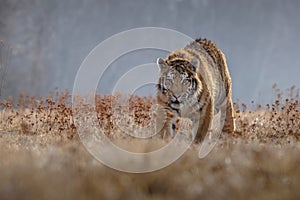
x: 185, y: 82
x: 164, y: 90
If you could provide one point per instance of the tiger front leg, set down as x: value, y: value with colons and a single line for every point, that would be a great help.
x: 206, y: 116
x: 172, y: 126
x: 165, y: 123
x: 181, y: 126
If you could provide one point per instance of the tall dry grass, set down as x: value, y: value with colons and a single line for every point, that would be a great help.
x: 43, y: 158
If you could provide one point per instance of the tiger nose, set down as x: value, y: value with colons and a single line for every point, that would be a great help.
x: 176, y: 95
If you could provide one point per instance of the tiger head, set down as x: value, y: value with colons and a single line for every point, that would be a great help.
x: 178, y: 82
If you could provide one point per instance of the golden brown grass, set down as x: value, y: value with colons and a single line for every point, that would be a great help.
x: 43, y: 158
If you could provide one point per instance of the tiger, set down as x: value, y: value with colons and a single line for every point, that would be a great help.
x: 194, y: 82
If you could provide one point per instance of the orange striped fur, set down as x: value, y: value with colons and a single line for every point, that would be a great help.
x: 194, y: 82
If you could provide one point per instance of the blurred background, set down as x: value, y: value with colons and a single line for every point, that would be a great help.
x: 50, y: 39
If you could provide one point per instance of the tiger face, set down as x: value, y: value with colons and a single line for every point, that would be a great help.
x: 178, y: 82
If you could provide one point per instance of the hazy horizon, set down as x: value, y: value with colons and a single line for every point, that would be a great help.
x: 50, y: 39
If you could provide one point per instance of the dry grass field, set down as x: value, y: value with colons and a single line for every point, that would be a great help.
x: 42, y: 157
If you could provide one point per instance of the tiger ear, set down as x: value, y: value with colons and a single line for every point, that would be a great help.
x: 194, y: 64
x: 161, y: 64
